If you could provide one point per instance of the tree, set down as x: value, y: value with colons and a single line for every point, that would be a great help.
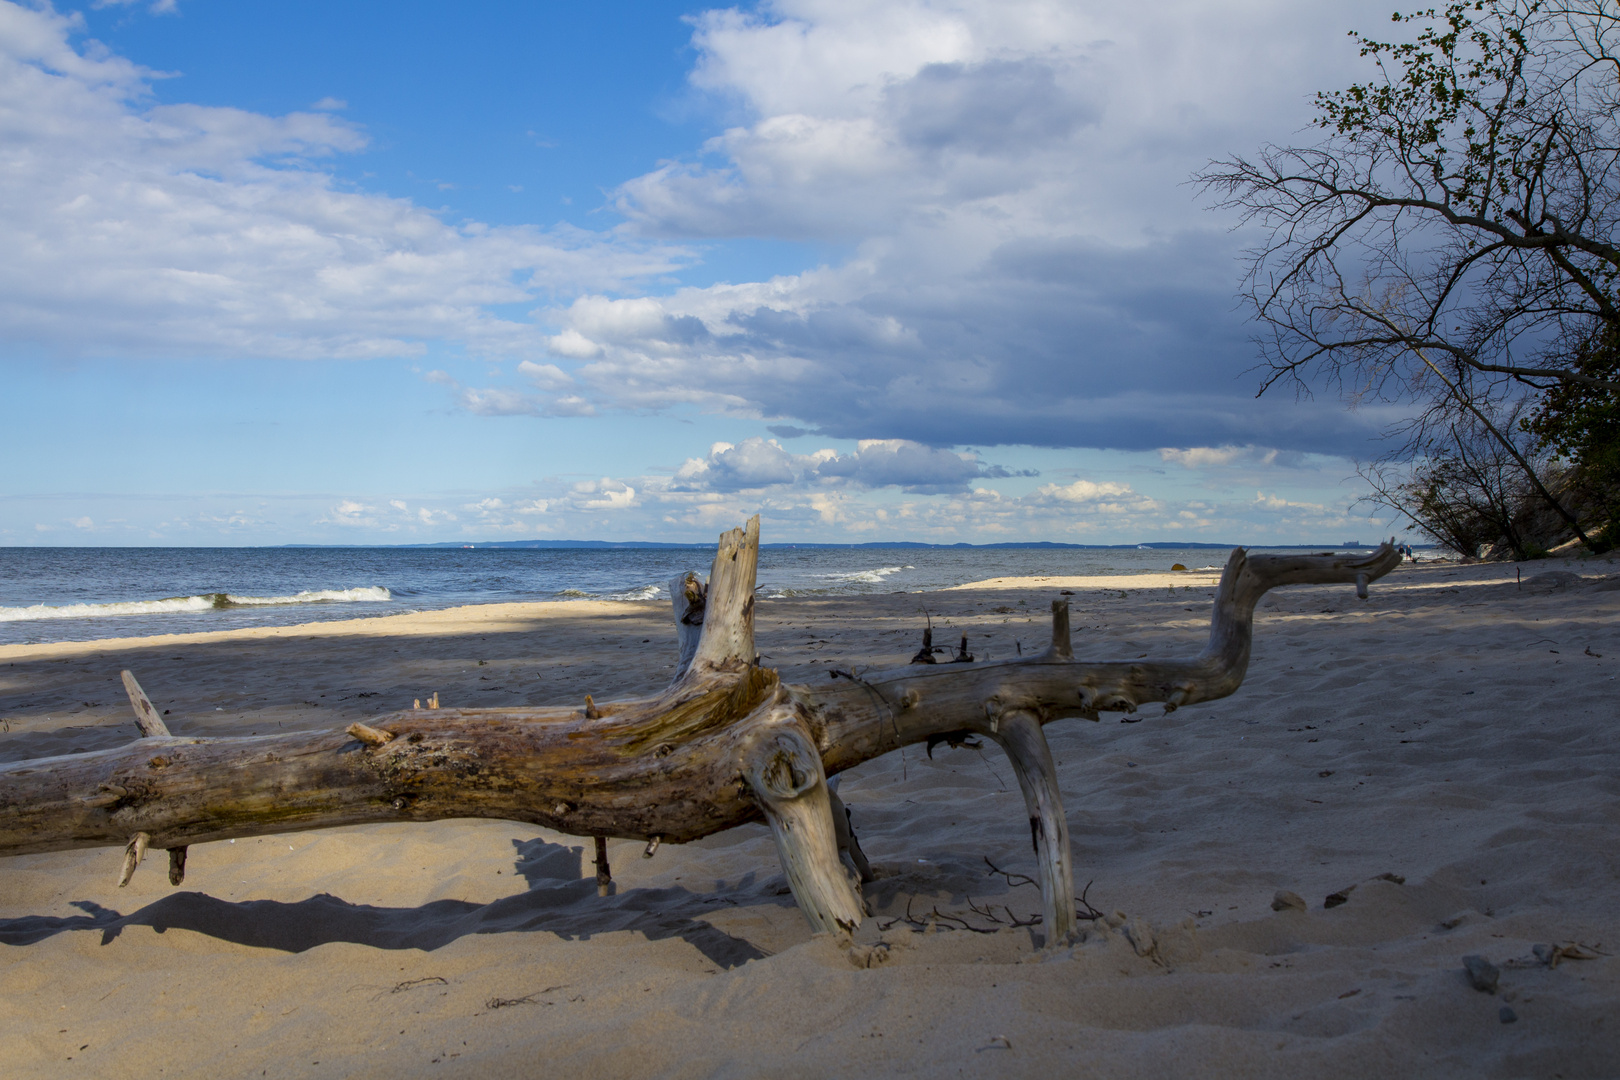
x: 1581, y: 423
x: 1450, y: 242
x: 1466, y: 490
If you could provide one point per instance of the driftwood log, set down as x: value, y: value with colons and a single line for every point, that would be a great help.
x: 725, y: 744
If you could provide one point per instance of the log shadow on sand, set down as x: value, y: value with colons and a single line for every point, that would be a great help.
x: 569, y: 909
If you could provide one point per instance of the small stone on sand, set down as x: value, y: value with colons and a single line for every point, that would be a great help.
x: 1482, y: 974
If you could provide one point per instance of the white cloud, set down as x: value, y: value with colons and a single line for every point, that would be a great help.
x: 604, y: 494
x: 1276, y: 502
x: 1021, y: 262
x: 1084, y: 491
x: 350, y: 513
x: 132, y: 227
x: 1025, y: 262
x: 501, y: 402
x: 1215, y: 457
x: 574, y: 345
x: 511, y: 401
x: 709, y: 494
x: 757, y: 463
x: 545, y: 376
x: 907, y: 465
x: 156, y: 7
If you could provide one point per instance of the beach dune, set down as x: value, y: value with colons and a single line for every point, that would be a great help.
x: 1430, y: 772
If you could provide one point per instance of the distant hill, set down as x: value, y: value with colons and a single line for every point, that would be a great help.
x: 614, y: 545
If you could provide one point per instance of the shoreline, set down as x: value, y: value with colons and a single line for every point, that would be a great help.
x: 504, y: 613
x: 500, y: 616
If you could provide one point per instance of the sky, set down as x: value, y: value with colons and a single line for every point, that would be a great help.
x: 298, y: 272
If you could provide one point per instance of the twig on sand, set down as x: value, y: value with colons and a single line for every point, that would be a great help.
x: 994, y: 870
x: 1085, y: 910
x: 526, y: 999
x: 409, y: 984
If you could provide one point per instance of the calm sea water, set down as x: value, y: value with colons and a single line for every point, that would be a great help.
x: 76, y: 594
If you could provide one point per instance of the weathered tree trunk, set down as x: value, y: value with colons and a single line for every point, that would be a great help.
x: 725, y: 744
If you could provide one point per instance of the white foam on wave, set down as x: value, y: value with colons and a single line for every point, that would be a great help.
x: 313, y: 596
x: 865, y: 577
x: 646, y: 592
x: 182, y: 604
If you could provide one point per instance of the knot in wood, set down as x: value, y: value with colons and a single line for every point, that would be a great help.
x: 785, y: 776
x: 784, y: 767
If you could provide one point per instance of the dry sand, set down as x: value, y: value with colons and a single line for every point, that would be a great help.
x: 1454, y: 730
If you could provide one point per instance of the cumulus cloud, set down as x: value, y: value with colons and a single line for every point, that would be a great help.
x: 351, y: 513
x: 1083, y: 491
x: 1018, y: 259
x: 1215, y: 457
x: 756, y: 463
x: 571, y: 343
x: 131, y: 227
x: 1276, y: 502
x: 911, y: 467
x: 738, y: 480
x: 604, y: 494
x: 1026, y: 265
x: 545, y: 376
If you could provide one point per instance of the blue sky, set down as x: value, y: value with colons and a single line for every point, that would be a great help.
x: 365, y: 272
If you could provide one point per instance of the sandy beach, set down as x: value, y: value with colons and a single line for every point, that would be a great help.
x: 1445, y: 748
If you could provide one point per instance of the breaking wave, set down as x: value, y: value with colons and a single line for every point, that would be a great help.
x: 833, y: 584
x: 180, y: 604
x: 642, y: 592
x: 864, y: 577
x: 646, y: 592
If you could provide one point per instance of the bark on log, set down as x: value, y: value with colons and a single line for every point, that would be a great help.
x: 727, y: 743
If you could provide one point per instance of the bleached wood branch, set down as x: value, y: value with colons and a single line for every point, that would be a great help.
x: 725, y: 744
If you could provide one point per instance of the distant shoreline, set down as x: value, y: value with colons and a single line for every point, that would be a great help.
x: 1029, y: 545
x: 644, y: 545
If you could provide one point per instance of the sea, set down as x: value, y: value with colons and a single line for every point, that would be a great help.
x: 81, y: 594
